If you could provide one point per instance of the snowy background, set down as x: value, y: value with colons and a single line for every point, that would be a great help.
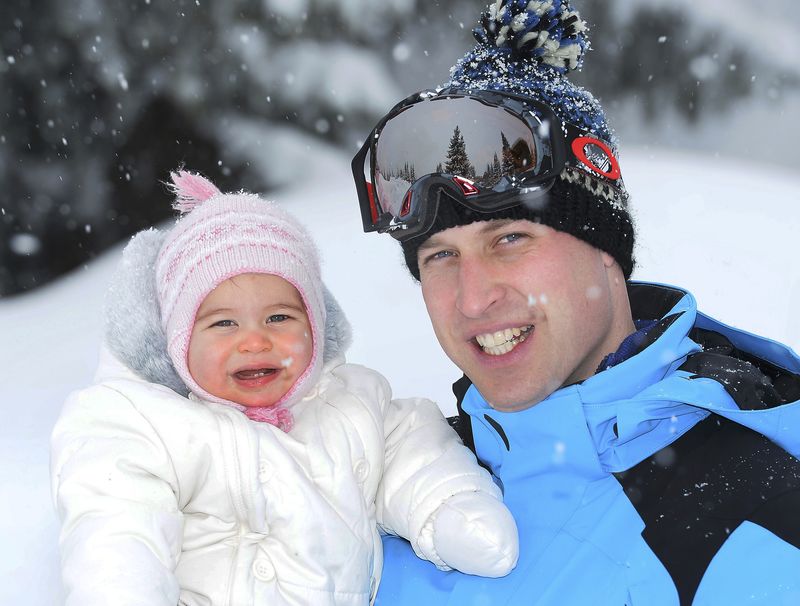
x: 714, y: 185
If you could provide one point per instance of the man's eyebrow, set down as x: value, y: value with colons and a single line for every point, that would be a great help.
x: 489, y: 227
x: 429, y: 243
x: 496, y: 224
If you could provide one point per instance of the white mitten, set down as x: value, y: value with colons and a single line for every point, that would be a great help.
x: 475, y: 533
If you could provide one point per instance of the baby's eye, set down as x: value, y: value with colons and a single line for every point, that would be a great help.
x: 277, y: 318
x: 224, y: 323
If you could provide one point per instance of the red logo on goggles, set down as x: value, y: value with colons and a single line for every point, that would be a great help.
x: 597, y: 156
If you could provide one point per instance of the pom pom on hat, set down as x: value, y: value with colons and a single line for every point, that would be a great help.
x: 542, y: 30
x: 220, y: 236
x: 191, y: 190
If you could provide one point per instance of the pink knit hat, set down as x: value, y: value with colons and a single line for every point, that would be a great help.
x: 219, y: 236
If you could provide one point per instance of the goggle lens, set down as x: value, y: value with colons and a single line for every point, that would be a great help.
x: 487, y: 146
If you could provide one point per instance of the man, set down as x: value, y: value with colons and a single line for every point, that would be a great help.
x: 647, y: 452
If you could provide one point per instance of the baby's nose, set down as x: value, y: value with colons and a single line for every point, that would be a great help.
x: 255, y: 341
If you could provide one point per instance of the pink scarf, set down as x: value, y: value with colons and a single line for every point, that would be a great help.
x: 278, y: 416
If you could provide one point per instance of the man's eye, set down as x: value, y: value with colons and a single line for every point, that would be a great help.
x: 438, y: 255
x: 277, y: 318
x: 514, y: 237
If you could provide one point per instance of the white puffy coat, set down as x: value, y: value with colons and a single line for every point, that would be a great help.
x: 166, y: 500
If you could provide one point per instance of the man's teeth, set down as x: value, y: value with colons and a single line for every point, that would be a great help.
x: 502, y: 341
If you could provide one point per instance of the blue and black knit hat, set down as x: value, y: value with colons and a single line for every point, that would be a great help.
x: 528, y: 47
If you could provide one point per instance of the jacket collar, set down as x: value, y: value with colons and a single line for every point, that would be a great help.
x: 605, y: 415
x: 630, y: 411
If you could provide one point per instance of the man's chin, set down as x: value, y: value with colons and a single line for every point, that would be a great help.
x: 501, y: 400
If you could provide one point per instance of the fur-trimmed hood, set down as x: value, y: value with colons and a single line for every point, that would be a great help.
x: 132, y: 326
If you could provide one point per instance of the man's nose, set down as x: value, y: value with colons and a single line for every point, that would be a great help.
x: 255, y: 340
x: 478, y: 288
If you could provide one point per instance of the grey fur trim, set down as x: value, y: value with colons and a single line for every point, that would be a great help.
x: 338, y: 333
x: 132, y: 320
x: 133, y: 330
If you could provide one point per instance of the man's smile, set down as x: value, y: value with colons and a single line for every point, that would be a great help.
x: 503, y: 341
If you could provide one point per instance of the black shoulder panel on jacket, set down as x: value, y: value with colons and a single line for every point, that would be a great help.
x: 694, y: 493
x: 651, y: 302
x: 752, y: 382
x: 462, y: 423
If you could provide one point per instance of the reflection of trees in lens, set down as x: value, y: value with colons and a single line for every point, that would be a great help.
x: 457, y: 161
x: 494, y: 171
x: 407, y: 173
x: 508, y: 157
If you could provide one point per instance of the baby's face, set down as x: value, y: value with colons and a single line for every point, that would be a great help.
x: 251, y: 340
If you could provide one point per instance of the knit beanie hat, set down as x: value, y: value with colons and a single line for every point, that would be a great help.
x: 220, y: 236
x: 527, y: 47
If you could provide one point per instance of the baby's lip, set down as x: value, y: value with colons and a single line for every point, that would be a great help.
x: 246, y: 374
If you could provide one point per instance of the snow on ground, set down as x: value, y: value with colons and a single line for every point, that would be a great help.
x: 723, y: 230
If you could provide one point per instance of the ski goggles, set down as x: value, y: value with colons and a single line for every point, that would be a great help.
x: 486, y: 150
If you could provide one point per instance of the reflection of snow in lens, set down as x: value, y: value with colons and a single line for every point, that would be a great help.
x: 24, y: 244
x: 597, y: 156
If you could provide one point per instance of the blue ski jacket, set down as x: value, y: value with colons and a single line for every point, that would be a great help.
x: 670, y: 478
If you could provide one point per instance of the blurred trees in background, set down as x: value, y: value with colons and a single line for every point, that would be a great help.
x: 100, y: 100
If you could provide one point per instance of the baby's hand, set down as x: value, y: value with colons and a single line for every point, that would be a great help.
x: 475, y: 533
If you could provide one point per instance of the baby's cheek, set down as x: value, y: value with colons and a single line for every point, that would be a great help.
x: 205, y: 361
x: 300, y: 351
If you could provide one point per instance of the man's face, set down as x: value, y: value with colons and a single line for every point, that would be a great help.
x: 521, y: 308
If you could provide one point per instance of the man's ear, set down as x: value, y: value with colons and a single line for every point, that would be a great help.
x: 608, y: 260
